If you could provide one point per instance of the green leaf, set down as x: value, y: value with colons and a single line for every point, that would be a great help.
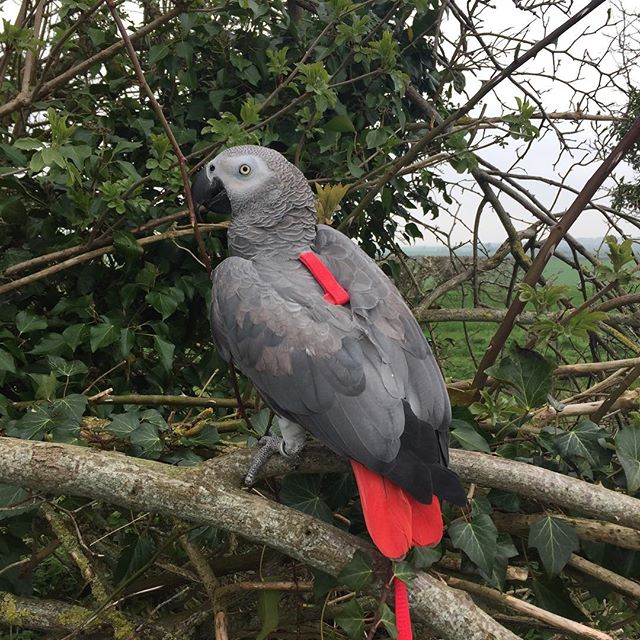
x: 27, y: 321
x: 28, y: 144
x: 342, y: 124
x: 403, y: 571
x: 504, y: 551
x: 268, y: 612
x: 50, y: 344
x: 477, y: 538
x: 13, y: 502
x: 146, y: 441
x: 551, y: 594
x: 124, y: 424
x: 322, y: 583
x: 357, y: 573
x: 424, y: 557
x: 103, y: 335
x: 70, y: 407
x: 555, y: 541
x: 165, y: 350
x: 388, y: 619
x: 467, y: 437
x: 166, y: 300
x: 351, y: 618
x: 627, y: 443
x: 208, y: 437
x: 33, y: 425
x: 304, y: 494
x: 583, y: 441
x: 528, y: 373
x: 136, y: 553
x: 7, y: 363
x: 127, y: 245
x: 74, y: 335
x: 67, y: 368
x: 158, y: 52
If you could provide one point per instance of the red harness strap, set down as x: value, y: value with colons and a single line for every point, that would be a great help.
x: 333, y: 292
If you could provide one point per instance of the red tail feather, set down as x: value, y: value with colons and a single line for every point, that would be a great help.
x: 396, y: 521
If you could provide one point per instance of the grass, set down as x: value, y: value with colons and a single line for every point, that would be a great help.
x: 460, y: 346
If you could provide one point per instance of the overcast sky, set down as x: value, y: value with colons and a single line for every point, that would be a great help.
x: 504, y: 17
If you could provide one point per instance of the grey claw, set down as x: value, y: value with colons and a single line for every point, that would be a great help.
x: 268, y: 446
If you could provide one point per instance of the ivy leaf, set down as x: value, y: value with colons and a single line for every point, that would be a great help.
x: 70, y: 407
x: 351, y: 618
x: 322, y: 583
x: 357, y: 573
x: 74, y: 335
x: 10, y: 496
x: 165, y: 350
x: 552, y: 595
x: 165, y: 300
x: 103, y: 335
x: 424, y: 557
x: 67, y: 368
x: 7, y: 363
x: 528, y: 373
x: 580, y: 442
x: 146, y: 441
x: 388, y: 619
x: 33, y: 425
x: 126, y: 244
x: 27, y: 321
x: 505, y: 550
x: 50, y: 344
x: 403, y: 571
x: 627, y: 443
x: 208, y: 437
x: 304, y: 494
x: 477, y: 538
x: 124, y: 424
x: 136, y: 553
x: 555, y: 541
x: 467, y: 437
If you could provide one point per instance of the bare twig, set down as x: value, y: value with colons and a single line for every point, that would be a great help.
x: 547, y: 250
x: 511, y: 602
x: 182, y: 162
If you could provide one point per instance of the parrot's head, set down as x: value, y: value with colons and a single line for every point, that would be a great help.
x: 249, y: 182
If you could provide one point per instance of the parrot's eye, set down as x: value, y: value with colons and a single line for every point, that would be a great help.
x: 244, y: 169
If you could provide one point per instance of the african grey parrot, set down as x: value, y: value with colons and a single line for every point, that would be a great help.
x: 328, y: 341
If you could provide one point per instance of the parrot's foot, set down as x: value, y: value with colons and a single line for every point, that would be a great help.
x: 269, y: 445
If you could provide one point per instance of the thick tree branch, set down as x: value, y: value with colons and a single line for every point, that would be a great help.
x: 211, y: 494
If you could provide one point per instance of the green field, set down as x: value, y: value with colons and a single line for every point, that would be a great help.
x: 460, y: 345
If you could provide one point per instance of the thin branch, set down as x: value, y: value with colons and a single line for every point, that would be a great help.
x: 411, y: 155
x: 610, y: 578
x: 547, y: 250
x: 90, y: 255
x: 511, y: 602
x: 182, y: 162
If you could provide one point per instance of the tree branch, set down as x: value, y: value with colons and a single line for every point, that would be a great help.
x: 556, y: 235
x: 211, y: 494
x: 182, y: 161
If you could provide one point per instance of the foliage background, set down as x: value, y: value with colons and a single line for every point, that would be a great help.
x: 99, y: 336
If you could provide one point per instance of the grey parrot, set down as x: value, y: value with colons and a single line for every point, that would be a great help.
x: 356, y: 372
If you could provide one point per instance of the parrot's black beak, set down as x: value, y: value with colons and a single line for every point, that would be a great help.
x: 209, y: 194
